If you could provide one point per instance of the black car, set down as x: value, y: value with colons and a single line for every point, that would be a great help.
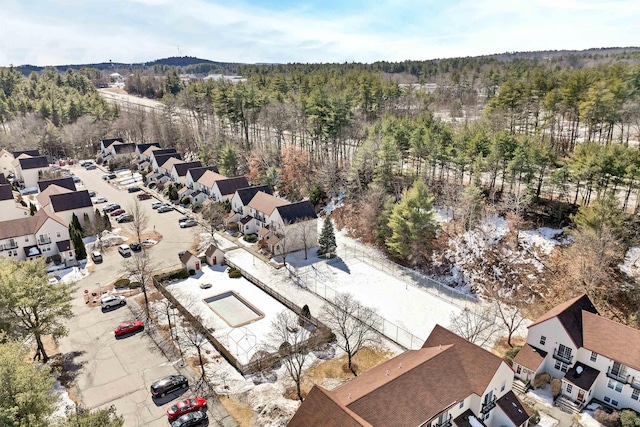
x: 111, y: 208
x: 168, y: 384
x: 108, y: 176
x: 135, y: 247
x: 134, y: 189
x: 197, y: 418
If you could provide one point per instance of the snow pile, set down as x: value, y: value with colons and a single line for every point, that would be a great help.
x: 544, y: 239
x: 542, y: 395
x: 271, y: 408
x: 65, y: 403
x: 443, y: 215
x: 631, y: 264
x: 587, y: 419
x: 546, y: 421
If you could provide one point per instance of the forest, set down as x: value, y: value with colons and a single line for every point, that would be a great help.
x: 540, y: 139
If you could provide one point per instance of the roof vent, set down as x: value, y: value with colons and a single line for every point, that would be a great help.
x: 349, y: 396
x: 387, y: 372
x: 400, y: 366
x: 439, y: 346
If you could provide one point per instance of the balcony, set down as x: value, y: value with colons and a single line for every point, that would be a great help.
x: 488, y: 406
x: 44, y: 240
x: 635, y: 383
x: 618, y: 376
x: 445, y: 423
x: 563, y: 357
x: 10, y: 245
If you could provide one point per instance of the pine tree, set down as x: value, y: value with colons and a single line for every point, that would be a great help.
x: 32, y: 209
x: 412, y: 225
x: 327, y: 241
x: 106, y: 222
x: 76, y: 223
x: 78, y: 244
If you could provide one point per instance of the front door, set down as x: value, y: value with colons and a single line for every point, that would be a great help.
x: 581, y: 396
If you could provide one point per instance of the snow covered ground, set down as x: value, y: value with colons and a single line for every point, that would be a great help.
x: 631, y: 264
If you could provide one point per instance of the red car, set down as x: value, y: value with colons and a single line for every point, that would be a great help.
x: 144, y: 196
x: 186, y: 406
x: 128, y: 327
x: 117, y: 212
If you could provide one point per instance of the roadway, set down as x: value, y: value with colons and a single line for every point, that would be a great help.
x: 120, y: 372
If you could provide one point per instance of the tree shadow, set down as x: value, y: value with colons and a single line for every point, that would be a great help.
x: 339, y: 264
x: 67, y: 367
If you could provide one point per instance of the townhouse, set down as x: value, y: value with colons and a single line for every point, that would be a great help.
x: 9, y: 209
x: 28, y: 168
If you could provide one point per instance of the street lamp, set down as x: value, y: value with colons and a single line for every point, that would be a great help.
x: 99, y: 289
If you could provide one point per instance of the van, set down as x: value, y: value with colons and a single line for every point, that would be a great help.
x: 124, y: 250
x: 96, y: 256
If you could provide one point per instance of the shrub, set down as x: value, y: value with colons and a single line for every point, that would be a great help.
x: 629, y: 418
x: 556, y: 387
x: 196, y: 207
x: 541, y: 380
x: 511, y: 354
x: 305, y: 314
x: 535, y: 417
x: 234, y: 273
x: 122, y: 283
x: 185, y: 200
x: 178, y: 275
x: 134, y: 285
x: 608, y: 420
x: 251, y: 238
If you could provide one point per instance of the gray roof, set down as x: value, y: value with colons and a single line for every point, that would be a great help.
x: 5, y: 192
x: 109, y: 141
x: 32, y: 153
x: 34, y: 162
x: 295, y: 212
x: 196, y: 173
x: 70, y: 201
x: 161, y: 159
x: 231, y: 185
x: 3, y: 179
x: 124, y: 148
x: 247, y: 193
x: 144, y: 147
x: 157, y: 153
x: 64, y: 245
x: 183, y: 168
x: 62, y: 182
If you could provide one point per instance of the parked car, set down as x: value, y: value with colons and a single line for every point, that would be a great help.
x: 148, y: 242
x: 134, y: 189
x: 112, y: 301
x: 124, y: 250
x: 156, y: 205
x: 111, y: 207
x: 96, y: 257
x: 91, y: 166
x: 117, y: 212
x: 183, y: 219
x: 191, y: 419
x: 188, y: 223
x: 92, y: 193
x: 135, y: 247
x: 100, y: 200
x: 108, y: 176
x: 125, y: 217
x: 128, y: 327
x: 144, y: 196
x: 165, y: 208
x: 76, y: 179
x: 168, y: 384
x: 186, y: 406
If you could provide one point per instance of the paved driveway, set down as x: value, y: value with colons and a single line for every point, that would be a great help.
x: 120, y: 371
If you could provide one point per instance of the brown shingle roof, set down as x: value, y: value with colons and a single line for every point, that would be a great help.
x: 27, y: 225
x: 44, y: 197
x: 266, y: 203
x: 211, y: 249
x: 170, y: 163
x: 570, y: 316
x: 605, y: 337
x: 186, y: 256
x: 530, y: 357
x: 513, y: 408
x: 320, y: 409
x: 209, y: 178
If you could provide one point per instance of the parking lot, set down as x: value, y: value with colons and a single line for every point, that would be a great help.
x: 120, y: 371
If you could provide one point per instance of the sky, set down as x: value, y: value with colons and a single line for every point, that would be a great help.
x: 61, y: 32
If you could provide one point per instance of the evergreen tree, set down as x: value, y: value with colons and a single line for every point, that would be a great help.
x: 83, y: 417
x: 106, y: 222
x: 78, y: 244
x: 76, y: 223
x: 327, y: 241
x: 32, y: 209
x: 412, y: 225
x: 229, y: 161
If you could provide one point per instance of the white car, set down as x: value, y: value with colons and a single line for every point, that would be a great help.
x: 156, y: 205
x: 100, y: 200
x: 112, y: 301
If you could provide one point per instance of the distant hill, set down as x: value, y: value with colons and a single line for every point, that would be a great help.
x: 186, y: 63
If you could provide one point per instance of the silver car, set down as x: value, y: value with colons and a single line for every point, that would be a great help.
x: 112, y: 301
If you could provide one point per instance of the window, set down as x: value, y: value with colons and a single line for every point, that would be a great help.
x: 543, y: 340
x: 562, y: 367
x: 26, y: 238
x: 504, y: 384
x: 594, y: 356
x: 615, y: 385
x: 462, y: 403
x: 58, y: 234
x: 569, y: 388
x: 635, y: 394
x: 606, y: 399
x: 614, y: 402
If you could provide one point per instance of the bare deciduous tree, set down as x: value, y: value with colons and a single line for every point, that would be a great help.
x: 141, y: 267
x: 140, y: 219
x: 213, y: 214
x: 353, y: 324
x: 476, y: 324
x: 510, y: 316
x: 197, y: 339
x: 307, y: 231
x: 292, y: 345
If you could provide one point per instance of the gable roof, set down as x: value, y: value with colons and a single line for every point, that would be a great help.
x: 3, y: 179
x: 124, y: 148
x: 60, y: 182
x: 530, y: 357
x: 230, y: 185
x: 107, y: 142
x: 266, y: 203
x: 247, y: 193
x: 603, y: 336
x: 569, y: 314
x: 162, y: 158
x: 182, y: 168
x: 295, y: 212
x: 33, y: 162
x: 186, y: 256
x: 28, y: 225
x: 196, y: 173
x: 6, y: 192
x: 70, y: 201
x: 161, y: 151
x: 170, y: 163
x: 143, y: 147
x: 44, y: 198
x: 32, y: 153
x: 320, y: 409
x: 513, y: 408
x: 149, y: 151
x: 211, y: 249
x: 209, y: 178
